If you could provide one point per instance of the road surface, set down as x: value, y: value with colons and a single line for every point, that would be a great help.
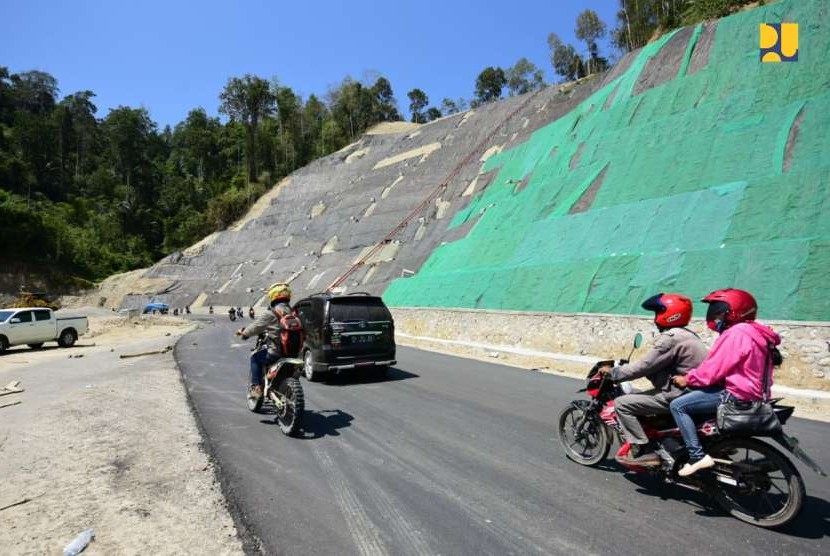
x: 452, y: 456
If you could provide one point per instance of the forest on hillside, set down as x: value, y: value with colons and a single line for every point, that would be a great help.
x: 93, y: 196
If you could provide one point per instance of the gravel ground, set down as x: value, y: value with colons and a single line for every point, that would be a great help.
x: 109, y: 443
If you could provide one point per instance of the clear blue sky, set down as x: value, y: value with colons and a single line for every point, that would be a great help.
x: 176, y: 55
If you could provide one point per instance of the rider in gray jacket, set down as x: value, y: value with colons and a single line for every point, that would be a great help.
x: 677, y: 350
x: 279, y: 295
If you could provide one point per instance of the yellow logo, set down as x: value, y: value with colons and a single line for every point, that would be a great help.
x: 779, y: 42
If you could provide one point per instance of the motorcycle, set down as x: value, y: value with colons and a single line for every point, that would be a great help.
x: 282, y: 389
x: 752, y: 480
x: 232, y: 315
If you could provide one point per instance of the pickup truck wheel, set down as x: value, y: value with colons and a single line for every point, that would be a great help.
x: 67, y: 338
x: 4, y: 344
x: 36, y: 346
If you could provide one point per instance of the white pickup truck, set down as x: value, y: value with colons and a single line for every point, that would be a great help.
x: 35, y: 325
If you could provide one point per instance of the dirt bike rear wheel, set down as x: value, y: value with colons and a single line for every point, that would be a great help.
x: 290, y: 415
x: 770, y: 490
x: 586, y: 447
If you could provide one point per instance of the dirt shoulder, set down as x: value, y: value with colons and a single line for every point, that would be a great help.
x: 109, y: 443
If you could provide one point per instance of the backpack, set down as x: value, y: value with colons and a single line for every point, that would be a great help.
x: 291, y: 335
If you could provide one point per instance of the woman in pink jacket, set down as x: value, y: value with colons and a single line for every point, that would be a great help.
x: 735, y: 367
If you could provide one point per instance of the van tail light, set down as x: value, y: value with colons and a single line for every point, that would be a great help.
x: 332, y: 337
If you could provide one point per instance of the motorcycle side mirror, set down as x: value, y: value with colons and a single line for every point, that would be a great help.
x: 638, y: 341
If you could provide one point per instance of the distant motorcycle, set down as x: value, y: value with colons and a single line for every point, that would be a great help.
x: 232, y: 315
x: 282, y: 389
x: 251, y: 313
x: 751, y: 479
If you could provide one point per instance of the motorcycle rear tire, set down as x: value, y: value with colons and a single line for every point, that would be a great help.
x: 780, y: 464
x: 291, y: 389
x: 599, y: 448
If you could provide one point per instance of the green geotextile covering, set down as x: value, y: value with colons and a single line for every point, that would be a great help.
x: 690, y: 190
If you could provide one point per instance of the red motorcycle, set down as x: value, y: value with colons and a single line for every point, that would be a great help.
x: 752, y: 480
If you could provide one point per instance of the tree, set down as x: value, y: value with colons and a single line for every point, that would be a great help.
x: 81, y: 112
x: 34, y: 91
x: 524, y: 77
x: 248, y: 100
x: 386, y: 107
x: 489, y: 84
x: 590, y: 28
x: 195, y: 144
x: 564, y: 59
x: 433, y: 114
x: 128, y: 132
x: 418, y: 100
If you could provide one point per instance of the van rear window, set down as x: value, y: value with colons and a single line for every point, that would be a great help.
x: 371, y: 309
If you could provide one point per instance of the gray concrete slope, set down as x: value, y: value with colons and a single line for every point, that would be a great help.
x: 452, y: 456
x: 336, y: 207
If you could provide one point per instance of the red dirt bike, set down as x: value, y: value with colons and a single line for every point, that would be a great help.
x: 752, y: 480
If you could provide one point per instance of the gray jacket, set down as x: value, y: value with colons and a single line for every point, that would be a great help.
x: 268, y: 319
x: 676, y: 351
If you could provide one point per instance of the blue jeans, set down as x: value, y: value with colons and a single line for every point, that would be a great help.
x: 695, y: 402
x: 259, y: 359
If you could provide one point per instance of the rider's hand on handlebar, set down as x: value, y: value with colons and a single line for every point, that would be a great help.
x: 605, y: 369
x: 239, y: 332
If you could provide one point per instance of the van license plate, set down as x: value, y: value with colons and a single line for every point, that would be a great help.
x: 363, y: 339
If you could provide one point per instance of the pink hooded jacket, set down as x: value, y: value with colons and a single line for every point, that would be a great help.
x: 738, y: 360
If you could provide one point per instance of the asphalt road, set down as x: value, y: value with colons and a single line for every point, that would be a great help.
x: 453, y: 456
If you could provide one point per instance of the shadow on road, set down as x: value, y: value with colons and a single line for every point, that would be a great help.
x: 653, y: 486
x: 23, y: 349
x: 368, y: 376
x: 812, y: 523
x: 327, y: 422
x: 316, y: 424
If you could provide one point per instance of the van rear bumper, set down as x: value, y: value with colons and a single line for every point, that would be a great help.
x: 338, y: 368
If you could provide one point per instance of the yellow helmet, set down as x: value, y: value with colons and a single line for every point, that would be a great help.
x: 279, y: 292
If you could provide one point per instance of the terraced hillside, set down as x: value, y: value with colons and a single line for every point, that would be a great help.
x: 691, y: 165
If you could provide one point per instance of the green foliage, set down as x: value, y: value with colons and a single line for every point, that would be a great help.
x: 84, y: 197
x: 449, y: 106
x: 232, y: 204
x: 564, y: 59
x: 709, y: 9
x: 432, y: 114
x: 523, y: 77
x: 639, y: 21
x: 418, y: 100
x: 489, y: 84
x: 247, y: 100
x: 590, y: 28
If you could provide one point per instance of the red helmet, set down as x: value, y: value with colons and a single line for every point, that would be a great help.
x: 732, y: 305
x: 670, y: 309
